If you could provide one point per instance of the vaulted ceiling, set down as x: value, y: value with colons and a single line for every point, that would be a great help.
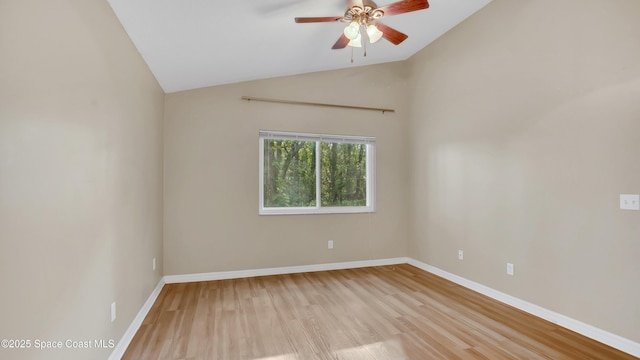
x: 190, y: 44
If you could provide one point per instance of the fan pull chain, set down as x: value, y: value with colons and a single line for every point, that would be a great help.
x: 351, y: 54
x: 364, y: 40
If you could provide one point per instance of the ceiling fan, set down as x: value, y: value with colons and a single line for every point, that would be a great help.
x: 363, y: 17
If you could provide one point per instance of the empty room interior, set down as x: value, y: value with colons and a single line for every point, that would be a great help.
x: 498, y: 150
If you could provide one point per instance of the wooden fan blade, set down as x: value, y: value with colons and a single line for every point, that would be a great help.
x: 301, y: 20
x: 342, y: 42
x: 404, y: 6
x: 391, y: 34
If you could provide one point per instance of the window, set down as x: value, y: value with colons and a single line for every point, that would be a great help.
x: 311, y: 173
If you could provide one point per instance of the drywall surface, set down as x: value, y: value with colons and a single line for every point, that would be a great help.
x: 80, y: 178
x: 524, y: 131
x: 212, y: 172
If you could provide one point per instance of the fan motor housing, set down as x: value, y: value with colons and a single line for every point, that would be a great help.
x: 364, y: 15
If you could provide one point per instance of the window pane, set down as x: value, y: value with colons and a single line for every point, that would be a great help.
x: 289, y: 173
x: 344, y: 174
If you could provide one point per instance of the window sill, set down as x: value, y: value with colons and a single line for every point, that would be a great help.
x: 322, y: 210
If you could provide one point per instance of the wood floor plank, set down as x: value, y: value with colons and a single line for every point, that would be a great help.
x: 389, y: 312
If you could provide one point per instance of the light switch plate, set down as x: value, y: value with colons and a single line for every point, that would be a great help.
x: 629, y: 201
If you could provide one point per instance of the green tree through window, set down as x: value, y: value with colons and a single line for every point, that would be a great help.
x: 290, y: 166
x: 344, y: 174
x: 289, y: 173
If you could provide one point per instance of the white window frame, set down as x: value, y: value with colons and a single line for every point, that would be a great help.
x: 370, y: 143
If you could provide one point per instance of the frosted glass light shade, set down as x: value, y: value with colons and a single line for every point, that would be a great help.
x: 357, y: 42
x: 352, y: 30
x: 374, y: 33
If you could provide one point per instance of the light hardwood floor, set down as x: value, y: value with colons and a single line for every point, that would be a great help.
x: 388, y: 312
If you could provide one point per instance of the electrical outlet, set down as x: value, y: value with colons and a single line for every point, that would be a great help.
x: 330, y: 244
x: 629, y: 202
x: 154, y: 264
x: 113, y: 312
x: 460, y: 255
x: 510, y: 269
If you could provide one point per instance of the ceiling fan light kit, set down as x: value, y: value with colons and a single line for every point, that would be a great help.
x: 356, y: 42
x: 363, y: 17
x: 374, y: 33
x: 352, y: 30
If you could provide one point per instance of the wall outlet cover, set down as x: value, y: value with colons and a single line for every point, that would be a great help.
x: 113, y: 312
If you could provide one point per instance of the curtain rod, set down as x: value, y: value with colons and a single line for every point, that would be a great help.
x: 250, y: 98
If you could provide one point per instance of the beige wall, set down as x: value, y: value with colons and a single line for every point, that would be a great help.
x: 525, y: 126
x: 211, y: 172
x: 80, y: 175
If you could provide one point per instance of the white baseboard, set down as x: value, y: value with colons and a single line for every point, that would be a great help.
x: 239, y: 274
x: 605, y: 337
x: 124, y: 342
x: 587, y: 330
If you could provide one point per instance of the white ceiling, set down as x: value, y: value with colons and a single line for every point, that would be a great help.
x: 190, y: 44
